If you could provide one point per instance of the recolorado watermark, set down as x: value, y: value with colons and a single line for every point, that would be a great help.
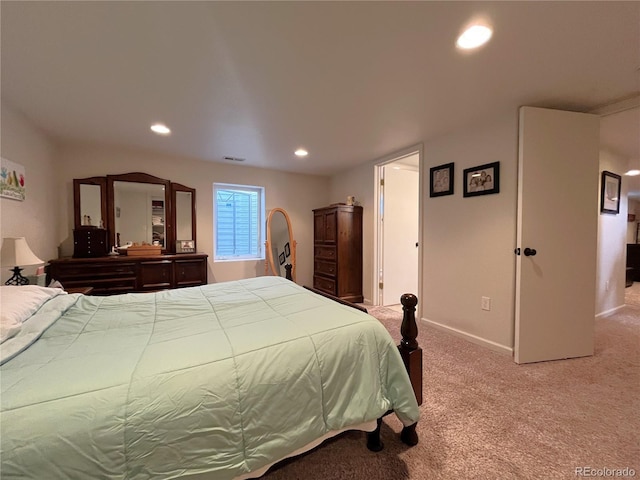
x: 604, y: 472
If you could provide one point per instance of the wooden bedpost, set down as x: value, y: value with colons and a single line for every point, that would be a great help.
x: 411, y: 354
x: 409, y: 349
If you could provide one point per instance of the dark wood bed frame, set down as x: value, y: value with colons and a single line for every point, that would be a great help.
x: 411, y: 354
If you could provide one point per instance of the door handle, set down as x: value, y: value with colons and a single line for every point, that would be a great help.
x: 529, y: 252
x: 517, y: 251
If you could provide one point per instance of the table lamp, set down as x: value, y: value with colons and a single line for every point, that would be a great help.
x: 16, y: 252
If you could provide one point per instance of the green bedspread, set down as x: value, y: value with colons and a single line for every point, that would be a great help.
x: 221, y: 379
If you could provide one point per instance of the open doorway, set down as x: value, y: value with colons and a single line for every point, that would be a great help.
x: 397, y: 229
x: 632, y: 285
x: 620, y: 154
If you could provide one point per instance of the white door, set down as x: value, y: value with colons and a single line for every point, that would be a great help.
x: 400, y: 232
x: 557, y: 234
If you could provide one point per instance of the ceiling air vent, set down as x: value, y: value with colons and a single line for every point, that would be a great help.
x: 234, y: 159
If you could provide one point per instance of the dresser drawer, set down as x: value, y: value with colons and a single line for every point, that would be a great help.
x: 111, y: 286
x: 326, y: 268
x: 155, y: 275
x: 101, y: 285
x: 325, y: 253
x: 63, y: 272
x: 327, y: 285
x: 189, y: 273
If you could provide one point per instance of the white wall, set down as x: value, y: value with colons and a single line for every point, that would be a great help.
x: 359, y: 182
x: 468, y: 242
x: 36, y: 218
x: 297, y: 194
x: 612, y: 243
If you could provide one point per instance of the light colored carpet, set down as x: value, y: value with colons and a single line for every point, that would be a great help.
x: 632, y: 296
x: 485, y: 417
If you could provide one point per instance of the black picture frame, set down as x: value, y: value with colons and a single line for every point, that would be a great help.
x: 287, y: 250
x: 441, y: 180
x: 610, y: 187
x: 481, y: 180
x: 281, y: 258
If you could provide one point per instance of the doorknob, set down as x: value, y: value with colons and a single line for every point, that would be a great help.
x: 529, y: 252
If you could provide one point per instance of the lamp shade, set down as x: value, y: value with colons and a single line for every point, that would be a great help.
x: 16, y: 252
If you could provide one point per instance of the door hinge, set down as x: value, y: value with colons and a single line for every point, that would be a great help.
x: 380, y: 285
x: 382, y: 182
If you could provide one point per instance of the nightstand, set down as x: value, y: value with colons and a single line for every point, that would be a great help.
x: 83, y: 290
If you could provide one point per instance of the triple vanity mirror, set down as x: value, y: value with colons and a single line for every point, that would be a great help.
x: 280, y: 245
x: 137, y: 208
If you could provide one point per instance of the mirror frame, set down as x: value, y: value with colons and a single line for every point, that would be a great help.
x: 139, y: 177
x: 102, y: 183
x: 173, y: 237
x: 108, y: 212
x: 269, y: 264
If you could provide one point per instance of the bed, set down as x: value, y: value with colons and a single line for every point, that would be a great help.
x: 218, y: 381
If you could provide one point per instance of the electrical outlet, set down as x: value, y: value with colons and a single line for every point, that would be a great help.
x: 486, y: 303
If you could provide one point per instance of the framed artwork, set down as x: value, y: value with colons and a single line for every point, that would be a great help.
x: 185, y: 246
x: 481, y: 180
x: 281, y: 258
x: 12, y: 180
x: 610, y: 193
x: 441, y: 180
x: 287, y: 250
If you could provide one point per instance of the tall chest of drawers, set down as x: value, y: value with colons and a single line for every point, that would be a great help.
x: 337, y: 251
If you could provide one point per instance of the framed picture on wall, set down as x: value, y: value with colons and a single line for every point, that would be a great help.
x: 287, y: 249
x: 281, y: 258
x: 481, y: 180
x: 12, y: 180
x: 441, y: 180
x: 610, y: 193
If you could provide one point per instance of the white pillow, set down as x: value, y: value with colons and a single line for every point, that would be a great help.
x: 17, y: 304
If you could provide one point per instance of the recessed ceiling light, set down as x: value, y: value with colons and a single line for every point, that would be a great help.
x: 474, y: 36
x: 160, y: 129
x: 632, y: 173
x: 301, y: 152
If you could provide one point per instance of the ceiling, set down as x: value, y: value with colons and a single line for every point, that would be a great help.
x: 349, y: 81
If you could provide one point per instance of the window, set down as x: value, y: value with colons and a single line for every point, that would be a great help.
x: 238, y: 227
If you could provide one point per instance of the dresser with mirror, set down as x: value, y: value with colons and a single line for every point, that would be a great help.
x: 152, y: 215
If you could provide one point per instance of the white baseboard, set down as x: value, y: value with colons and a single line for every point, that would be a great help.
x: 606, y: 313
x: 496, y: 347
